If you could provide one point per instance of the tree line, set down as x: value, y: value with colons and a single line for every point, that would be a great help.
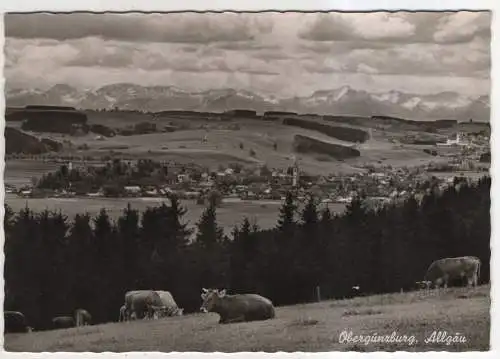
x: 54, y: 265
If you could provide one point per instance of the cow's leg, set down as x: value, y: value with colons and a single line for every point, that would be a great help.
x: 474, y: 280
x: 445, y: 280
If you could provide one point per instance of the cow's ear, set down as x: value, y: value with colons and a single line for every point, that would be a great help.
x: 222, y: 293
x: 205, y: 290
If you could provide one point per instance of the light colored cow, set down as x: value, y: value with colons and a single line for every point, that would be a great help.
x: 441, y: 271
x: 140, y: 302
x: 238, y: 307
x: 169, y: 306
x: 82, y: 317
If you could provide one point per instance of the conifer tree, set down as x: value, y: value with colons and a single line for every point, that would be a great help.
x: 129, y: 231
x: 209, y: 233
x: 286, y: 223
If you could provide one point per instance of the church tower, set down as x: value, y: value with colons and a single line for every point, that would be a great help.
x: 295, y: 172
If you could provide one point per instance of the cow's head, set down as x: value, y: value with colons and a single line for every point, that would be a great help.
x: 210, y: 298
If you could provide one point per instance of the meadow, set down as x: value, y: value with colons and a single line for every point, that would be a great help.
x: 242, y: 140
x: 322, y: 326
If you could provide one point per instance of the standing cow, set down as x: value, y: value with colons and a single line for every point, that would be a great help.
x: 141, y: 302
x: 169, y: 306
x: 15, y: 322
x: 441, y: 271
x: 63, y: 322
x: 238, y: 307
x: 82, y: 317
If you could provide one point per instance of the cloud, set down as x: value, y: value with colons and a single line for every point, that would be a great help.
x: 96, y: 52
x: 244, y: 46
x: 399, y: 27
x: 177, y: 28
x: 380, y: 26
x: 463, y: 27
x: 277, y: 53
x: 365, y: 69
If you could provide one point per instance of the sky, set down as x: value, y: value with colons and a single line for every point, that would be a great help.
x: 280, y: 54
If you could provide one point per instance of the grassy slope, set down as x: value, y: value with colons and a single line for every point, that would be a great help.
x: 310, y: 327
x: 223, y: 144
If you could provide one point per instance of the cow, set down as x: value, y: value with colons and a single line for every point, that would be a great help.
x: 82, y: 317
x: 169, y: 306
x: 441, y: 271
x: 63, y: 322
x: 15, y: 322
x: 238, y: 307
x: 140, y: 303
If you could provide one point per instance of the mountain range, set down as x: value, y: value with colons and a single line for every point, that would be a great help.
x: 340, y: 101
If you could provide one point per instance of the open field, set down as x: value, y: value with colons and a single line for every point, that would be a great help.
x: 307, y: 327
x: 232, y: 141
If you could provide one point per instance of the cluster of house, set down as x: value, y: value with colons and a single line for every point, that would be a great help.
x: 382, y: 185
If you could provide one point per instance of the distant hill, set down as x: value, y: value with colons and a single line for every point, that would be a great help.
x: 341, y: 101
x: 19, y: 142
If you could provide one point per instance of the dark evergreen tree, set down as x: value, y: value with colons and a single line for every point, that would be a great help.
x: 286, y: 222
x: 209, y: 234
x: 128, y: 231
x: 81, y: 251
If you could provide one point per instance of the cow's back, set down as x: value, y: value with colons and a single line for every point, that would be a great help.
x: 166, y: 299
x: 253, y: 306
x: 132, y: 295
x: 255, y: 298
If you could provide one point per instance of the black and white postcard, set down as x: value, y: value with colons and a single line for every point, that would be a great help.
x: 256, y: 181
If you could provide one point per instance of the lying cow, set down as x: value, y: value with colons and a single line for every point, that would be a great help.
x: 238, y: 307
x: 15, y: 322
x: 82, y: 317
x: 441, y: 271
x: 63, y: 322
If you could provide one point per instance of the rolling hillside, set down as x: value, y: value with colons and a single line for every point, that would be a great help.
x: 308, y: 327
x: 250, y: 142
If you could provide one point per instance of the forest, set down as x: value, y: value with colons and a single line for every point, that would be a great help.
x: 55, y: 264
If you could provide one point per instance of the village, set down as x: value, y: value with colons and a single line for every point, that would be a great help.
x: 466, y: 155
